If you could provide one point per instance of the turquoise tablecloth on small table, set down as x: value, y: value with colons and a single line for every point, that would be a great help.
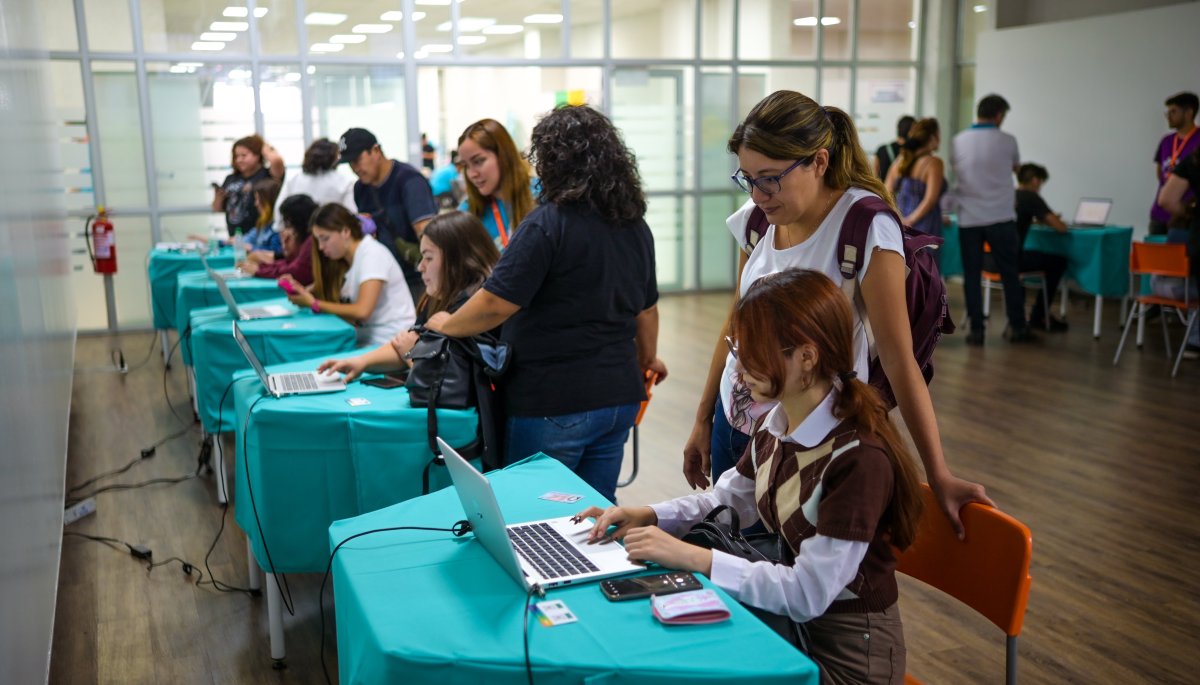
x: 163, y: 268
x: 197, y: 290
x: 216, y: 356
x: 313, y: 459
x: 426, y: 607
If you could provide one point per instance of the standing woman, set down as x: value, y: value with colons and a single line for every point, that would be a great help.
x: 802, y: 164
x: 577, y: 295
x: 235, y: 195
x: 917, y: 179
x: 318, y: 179
x: 355, y: 278
x: 500, y: 185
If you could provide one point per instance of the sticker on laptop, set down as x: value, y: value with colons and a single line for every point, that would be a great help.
x: 357, y: 401
x: 553, y: 613
x: 561, y: 497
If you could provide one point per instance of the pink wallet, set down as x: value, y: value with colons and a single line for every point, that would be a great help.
x: 689, y: 608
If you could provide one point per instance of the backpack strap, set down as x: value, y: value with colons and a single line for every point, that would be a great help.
x: 852, y: 252
x: 756, y: 227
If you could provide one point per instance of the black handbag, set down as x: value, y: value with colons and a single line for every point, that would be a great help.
x: 441, y: 372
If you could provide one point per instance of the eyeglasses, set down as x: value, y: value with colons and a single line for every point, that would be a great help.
x: 767, y: 184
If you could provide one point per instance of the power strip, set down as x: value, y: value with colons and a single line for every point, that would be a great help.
x: 75, y: 512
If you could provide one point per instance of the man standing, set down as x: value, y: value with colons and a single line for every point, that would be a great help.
x: 984, y: 161
x: 888, y: 152
x: 395, y: 195
x: 1172, y: 149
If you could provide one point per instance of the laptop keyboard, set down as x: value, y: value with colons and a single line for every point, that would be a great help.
x: 546, y: 550
x: 295, y: 382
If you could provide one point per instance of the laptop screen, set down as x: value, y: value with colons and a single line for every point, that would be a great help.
x: 250, y: 356
x: 1093, y: 211
x: 223, y: 288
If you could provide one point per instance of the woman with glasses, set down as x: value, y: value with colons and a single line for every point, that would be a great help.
x: 500, y: 189
x: 577, y: 295
x: 802, y: 164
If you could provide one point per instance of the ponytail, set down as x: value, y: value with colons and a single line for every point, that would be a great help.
x: 918, y: 137
x: 848, y: 165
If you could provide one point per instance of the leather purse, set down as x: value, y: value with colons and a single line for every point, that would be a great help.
x: 441, y: 372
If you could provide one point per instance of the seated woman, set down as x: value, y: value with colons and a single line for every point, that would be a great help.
x: 500, y: 186
x: 825, y: 468
x: 262, y: 242
x: 457, y: 255
x: 355, y: 278
x: 295, y: 241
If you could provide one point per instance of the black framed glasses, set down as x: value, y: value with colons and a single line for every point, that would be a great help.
x: 767, y: 184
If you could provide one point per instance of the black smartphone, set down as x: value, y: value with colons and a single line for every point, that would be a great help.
x: 387, y: 382
x: 621, y: 589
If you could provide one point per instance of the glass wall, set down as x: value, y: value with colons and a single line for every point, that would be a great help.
x: 160, y: 90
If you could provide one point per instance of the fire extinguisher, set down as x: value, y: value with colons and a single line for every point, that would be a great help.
x: 101, y: 242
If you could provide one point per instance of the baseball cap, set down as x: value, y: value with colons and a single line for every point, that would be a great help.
x: 354, y: 142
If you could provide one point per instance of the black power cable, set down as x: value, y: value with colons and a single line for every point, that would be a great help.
x: 147, y: 452
x: 286, y: 591
x: 144, y: 553
x: 166, y: 393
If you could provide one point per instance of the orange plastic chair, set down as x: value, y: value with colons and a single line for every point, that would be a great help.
x: 989, y: 571
x: 1159, y: 259
x: 1029, y: 279
x: 651, y: 378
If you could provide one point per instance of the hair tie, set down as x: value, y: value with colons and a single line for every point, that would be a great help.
x: 847, y: 376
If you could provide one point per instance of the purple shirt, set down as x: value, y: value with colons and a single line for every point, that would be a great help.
x: 1162, y: 160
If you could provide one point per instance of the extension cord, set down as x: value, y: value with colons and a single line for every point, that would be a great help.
x: 77, y: 511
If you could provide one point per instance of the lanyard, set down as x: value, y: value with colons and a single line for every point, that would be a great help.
x: 499, y: 222
x: 1177, y: 146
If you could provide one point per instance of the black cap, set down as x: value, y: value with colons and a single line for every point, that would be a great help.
x: 354, y: 142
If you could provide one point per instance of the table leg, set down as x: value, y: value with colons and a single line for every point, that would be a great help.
x: 1096, y: 317
x: 252, y: 568
x: 1141, y: 333
x: 164, y: 342
x: 275, y: 618
x: 1062, y: 301
x: 219, y: 466
x: 191, y: 383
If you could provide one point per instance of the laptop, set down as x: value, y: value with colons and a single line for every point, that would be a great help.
x: 1092, y: 212
x: 239, y: 313
x: 539, y: 554
x: 295, y: 383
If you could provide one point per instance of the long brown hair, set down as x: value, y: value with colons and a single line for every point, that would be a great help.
x: 266, y: 192
x: 918, y: 137
x: 515, y: 173
x: 799, y: 307
x: 468, y: 255
x: 787, y: 125
x: 330, y: 274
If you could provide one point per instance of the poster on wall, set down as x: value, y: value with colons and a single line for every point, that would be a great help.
x: 888, y: 92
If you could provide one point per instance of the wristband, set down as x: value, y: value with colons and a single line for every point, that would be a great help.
x: 316, y: 306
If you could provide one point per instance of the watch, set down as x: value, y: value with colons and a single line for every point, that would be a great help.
x: 316, y: 306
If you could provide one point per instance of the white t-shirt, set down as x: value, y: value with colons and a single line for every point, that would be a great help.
x: 983, y: 160
x: 327, y: 186
x: 394, y: 311
x: 818, y: 253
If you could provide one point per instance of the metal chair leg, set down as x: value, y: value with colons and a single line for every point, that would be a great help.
x: 1187, y: 334
x: 632, y: 474
x: 1162, y: 316
x: 1133, y: 311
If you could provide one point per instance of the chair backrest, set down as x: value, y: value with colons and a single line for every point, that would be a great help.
x: 988, y: 571
x: 1159, y: 259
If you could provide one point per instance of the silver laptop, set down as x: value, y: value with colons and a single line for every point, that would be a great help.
x: 240, y: 313
x: 295, y: 383
x: 1092, y: 212
x: 540, y: 554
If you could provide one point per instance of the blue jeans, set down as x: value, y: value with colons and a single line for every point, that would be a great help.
x: 590, y: 443
x: 728, y: 445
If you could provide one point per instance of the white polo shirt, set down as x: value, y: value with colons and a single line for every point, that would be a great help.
x: 984, y: 158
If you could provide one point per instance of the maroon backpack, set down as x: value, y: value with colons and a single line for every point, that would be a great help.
x: 924, y: 289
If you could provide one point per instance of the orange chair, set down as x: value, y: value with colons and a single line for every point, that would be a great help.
x: 1029, y: 279
x: 988, y: 572
x: 1159, y: 259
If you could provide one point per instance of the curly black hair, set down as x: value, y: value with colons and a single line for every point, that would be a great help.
x: 322, y: 155
x: 581, y: 160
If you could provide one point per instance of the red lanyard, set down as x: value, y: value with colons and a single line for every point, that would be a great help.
x: 500, y: 221
x: 1177, y: 146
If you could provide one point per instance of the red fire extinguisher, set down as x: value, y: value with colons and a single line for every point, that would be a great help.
x: 102, y: 243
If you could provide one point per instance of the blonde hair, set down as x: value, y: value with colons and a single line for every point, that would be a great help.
x: 790, y: 125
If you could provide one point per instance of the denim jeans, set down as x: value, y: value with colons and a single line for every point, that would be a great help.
x: 590, y: 443
x: 728, y: 444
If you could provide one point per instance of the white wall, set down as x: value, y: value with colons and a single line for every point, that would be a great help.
x: 1087, y: 100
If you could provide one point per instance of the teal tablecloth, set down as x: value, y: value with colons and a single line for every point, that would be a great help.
x: 216, y: 356
x: 197, y: 290
x: 162, y: 270
x: 425, y: 607
x: 1097, y: 258
x: 313, y: 459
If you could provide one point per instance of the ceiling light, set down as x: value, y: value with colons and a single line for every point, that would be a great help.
x: 912, y: 24
x: 979, y: 8
x: 399, y: 55
x: 437, y: 47
x: 311, y: 70
x: 420, y: 54
x: 259, y: 12
x: 213, y: 35
x: 292, y: 76
x: 239, y: 73
x: 503, y: 29
x: 177, y: 69
x: 418, y: 16
x: 192, y: 65
x: 228, y: 26
x: 327, y: 47
x: 468, y: 24
x: 372, y: 28
x: 806, y: 21
x: 324, y: 19
x: 347, y: 38
x: 472, y: 40
x: 544, y: 19
x: 434, y: 3
x: 207, y: 45
x: 393, y: 15
x: 830, y: 21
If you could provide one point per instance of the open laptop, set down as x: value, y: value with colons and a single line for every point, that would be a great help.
x: 240, y: 313
x: 539, y: 554
x: 295, y: 383
x: 1092, y: 212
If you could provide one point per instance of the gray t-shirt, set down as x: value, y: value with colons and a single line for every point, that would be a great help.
x: 984, y: 158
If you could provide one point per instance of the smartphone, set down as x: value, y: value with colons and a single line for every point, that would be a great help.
x: 286, y: 285
x: 621, y: 589
x: 387, y: 382
x: 215, y: 185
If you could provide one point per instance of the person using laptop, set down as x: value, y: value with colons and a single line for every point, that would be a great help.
x: 355, y: 278
x: 826, y: 469
x: 295, y: 240
x: 457, y: 256
x: 1032, y: 209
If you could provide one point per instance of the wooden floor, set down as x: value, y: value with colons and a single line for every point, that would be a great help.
x: 1102, y: 463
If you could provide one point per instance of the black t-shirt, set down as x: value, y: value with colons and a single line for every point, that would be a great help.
x: 403, y: 199
x: 886, y: 154
x: 240, y: 213
x: 580, y: 282
x: 1189, y: 170
x: 1030, y: 209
